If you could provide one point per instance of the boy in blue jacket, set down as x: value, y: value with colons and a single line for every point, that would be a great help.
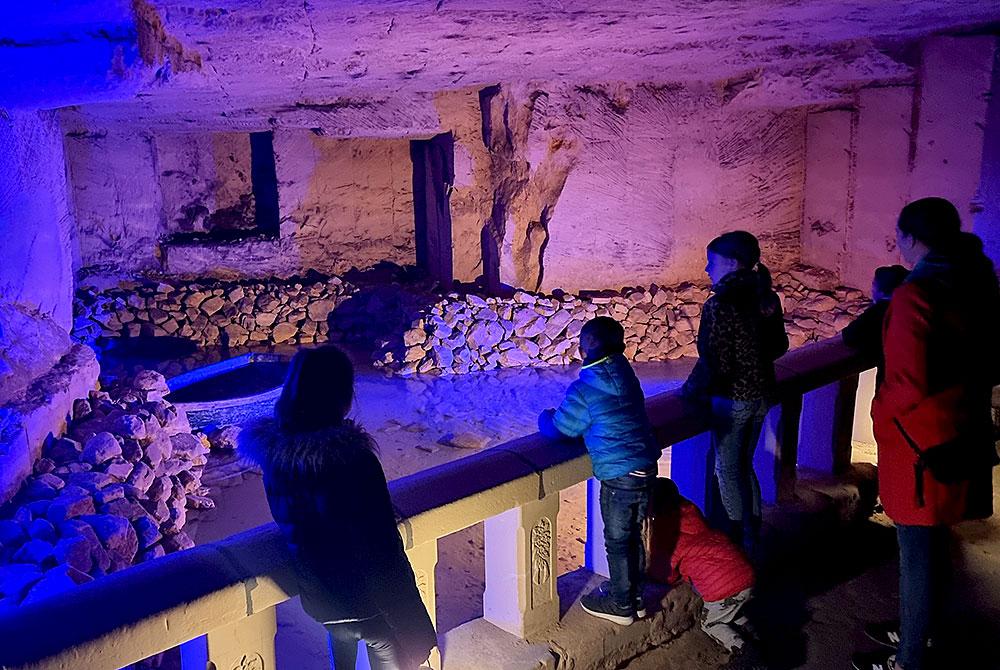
x: 606, y: 407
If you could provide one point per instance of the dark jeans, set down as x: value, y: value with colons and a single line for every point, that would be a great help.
x: 923, y: 569
x: 736, y: 427
x: 383, y: 652
x: 624, y: 501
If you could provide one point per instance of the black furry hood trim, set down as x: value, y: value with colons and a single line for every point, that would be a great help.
x: 303, y: 455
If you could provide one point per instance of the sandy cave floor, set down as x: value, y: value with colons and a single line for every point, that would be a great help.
x: 815, y: 591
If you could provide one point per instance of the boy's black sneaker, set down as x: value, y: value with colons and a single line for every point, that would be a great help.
x: 887, y: 634
x: 874, y: 660
x: 603, y: 607
x: 640, y: 602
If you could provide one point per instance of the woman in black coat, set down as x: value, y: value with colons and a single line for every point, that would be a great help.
x: 329, y: 497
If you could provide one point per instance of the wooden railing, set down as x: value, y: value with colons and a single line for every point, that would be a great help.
x: 220, y: 598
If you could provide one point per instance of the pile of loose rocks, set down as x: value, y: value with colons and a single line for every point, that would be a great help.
x: 113, y: 491
x: 460, y: 334
x: 210, y: 313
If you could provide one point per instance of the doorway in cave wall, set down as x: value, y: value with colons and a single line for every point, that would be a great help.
x: 433, y: 176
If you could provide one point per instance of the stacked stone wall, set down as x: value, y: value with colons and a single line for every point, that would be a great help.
x: 414, y: 330
x: 464, y: 333
x: 209, y: 313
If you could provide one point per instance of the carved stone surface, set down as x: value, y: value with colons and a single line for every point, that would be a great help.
x: 541, y: 561
x: 251, y: 662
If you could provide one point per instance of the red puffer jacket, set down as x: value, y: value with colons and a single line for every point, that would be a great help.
x: 940, y: 339
x: 682, y: 546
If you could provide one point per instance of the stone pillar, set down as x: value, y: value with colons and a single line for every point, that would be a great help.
x: 827, y: 425
x: 247, y: 644
x: 863, y: 431
x: 691, y: 469
x: 521, y: 572
x: 775, y: 459
x: 951, y: 118
x: 595, y: 557
x: 881, y: 178
x: 827, y: 195
x: 423, y: 558
x: 986, y: 222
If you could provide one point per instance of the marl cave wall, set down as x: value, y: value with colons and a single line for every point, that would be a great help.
x: 36, y: 221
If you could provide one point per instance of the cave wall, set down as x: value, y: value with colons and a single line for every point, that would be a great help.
x: 116, y: 195
x: 589, y: 187
x: 36, y: 221
x: 41, y: 370
x: 899, y: 143
x: 986, y: 222
x: 205, y: 180
x: 345, y: 202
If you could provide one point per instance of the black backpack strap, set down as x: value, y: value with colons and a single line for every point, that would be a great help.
x: 918, y: 467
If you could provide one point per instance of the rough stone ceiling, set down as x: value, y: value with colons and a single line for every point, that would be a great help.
x: 248, y: 63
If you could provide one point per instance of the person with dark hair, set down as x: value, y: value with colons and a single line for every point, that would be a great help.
x: 865, y: 332
x: 742, y: 332
x: 931, y: 416
x: 328, y: 494
x: 607, y: 408
x: 682, y: 547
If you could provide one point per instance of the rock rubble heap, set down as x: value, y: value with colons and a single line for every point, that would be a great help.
x: 209, y: 313
x: 113, y: 491
x: 460, y: 334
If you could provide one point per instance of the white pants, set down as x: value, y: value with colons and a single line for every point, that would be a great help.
x: 722, y: 617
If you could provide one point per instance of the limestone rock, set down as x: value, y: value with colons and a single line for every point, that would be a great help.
x: 284, y: 332
x: 100, y: 448
x: 225, y: 437
x: 37, y: 552
x: 187, y: 446
x: 117, y: 536
x: 74, y: 551
x: 465, y: 441
x: 69, y: 505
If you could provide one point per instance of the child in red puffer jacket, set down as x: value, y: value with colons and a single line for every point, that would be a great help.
x: 683, y: 547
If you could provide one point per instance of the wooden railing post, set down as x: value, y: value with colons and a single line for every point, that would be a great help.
x: 827, y: 426
x: 521, y: 570
x: 423, y: 558
x: 247, y: 644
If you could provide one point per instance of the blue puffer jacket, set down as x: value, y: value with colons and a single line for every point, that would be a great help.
x: 607, y: 408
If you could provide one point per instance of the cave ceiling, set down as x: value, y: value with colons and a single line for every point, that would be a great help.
x: 259, y: 63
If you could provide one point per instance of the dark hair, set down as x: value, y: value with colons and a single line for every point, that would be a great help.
x: 608, y: 333
x: 743, y: 248
x: 889, y: 277
x: 933, y: 221
x: 318, y: 392
x: 665, y: 491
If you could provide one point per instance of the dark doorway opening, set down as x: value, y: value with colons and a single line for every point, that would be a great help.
x: 264, y: 178
x: 433, y: 176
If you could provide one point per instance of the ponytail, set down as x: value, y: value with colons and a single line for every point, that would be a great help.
x: 764, y: 282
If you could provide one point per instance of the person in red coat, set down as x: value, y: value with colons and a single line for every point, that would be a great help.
x: 941, y: 362
x: 682, y: 547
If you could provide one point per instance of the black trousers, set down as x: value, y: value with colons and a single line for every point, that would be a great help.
x: 383, y: 648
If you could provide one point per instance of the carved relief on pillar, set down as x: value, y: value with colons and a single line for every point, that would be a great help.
x: 422, y: 583
x: 541, y: 561
x: 250, y: 662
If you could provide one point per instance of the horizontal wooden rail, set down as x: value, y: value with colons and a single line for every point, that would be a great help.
x: 149, y: 608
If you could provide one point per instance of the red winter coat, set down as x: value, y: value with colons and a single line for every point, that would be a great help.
x: 683, y: 547
x: 940, y: 339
